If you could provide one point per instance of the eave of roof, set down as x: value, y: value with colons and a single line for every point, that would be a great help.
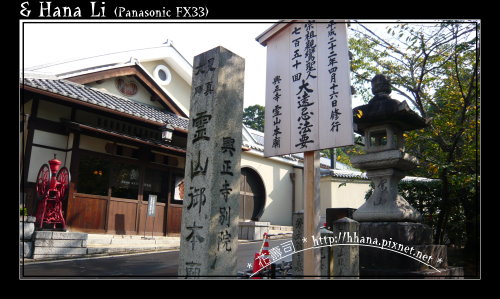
x: 134, y: 69
x: 97, y: 99
x: 121, y: 135
x: 82, y: 67
x: 265, y: 36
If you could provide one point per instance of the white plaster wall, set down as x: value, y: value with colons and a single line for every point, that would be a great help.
x: 50, y: 139
x: 279, y: 188
x: 178, y: 89
x: 299, y: 189
x: 351, y: 195
x: 40, y: 156
x: 142, y: 95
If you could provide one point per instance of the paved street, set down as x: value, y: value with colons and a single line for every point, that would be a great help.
x: 150, y: 265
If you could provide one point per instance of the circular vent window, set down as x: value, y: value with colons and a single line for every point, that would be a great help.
x: 162, y: 74
x: 126, y: 87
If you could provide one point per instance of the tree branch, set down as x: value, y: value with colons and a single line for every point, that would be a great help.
x: 381, y: 39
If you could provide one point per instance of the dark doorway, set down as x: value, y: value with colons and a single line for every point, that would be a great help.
x: 252, y: 195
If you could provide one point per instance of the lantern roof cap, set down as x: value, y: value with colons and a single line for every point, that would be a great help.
x: 382, y: 109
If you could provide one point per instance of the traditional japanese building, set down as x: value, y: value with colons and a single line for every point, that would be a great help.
x: 119, y: 123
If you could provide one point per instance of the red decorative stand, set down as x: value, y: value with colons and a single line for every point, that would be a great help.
x: 52, y: 186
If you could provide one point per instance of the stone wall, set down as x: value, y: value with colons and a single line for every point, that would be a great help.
x: 53, y: 244
x: 252, y: 230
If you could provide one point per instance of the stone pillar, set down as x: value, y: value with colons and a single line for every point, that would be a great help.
x: 297, y: 236
x: 26, y: 230
x: 209, y: 230
x: 346, y: 257
x: 326, y: 253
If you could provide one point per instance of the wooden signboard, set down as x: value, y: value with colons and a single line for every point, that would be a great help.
x: 308, y: 105
x: 308, y: 90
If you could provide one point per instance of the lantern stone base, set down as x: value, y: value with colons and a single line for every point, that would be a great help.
x: 408, y: 233
x: 415, y: 258
x: 394, y: 210
x: 385, y: 204
x: 440, y: 273
x: 401, y: 249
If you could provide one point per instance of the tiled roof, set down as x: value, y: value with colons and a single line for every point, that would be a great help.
x: 351, y: 174
x: 346, y: 174
x: 257, y: 136
x: 104, y: 99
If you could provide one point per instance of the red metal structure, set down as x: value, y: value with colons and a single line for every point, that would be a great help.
x: 52, y: 186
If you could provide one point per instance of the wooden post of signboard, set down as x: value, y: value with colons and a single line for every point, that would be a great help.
x: 312, y: 256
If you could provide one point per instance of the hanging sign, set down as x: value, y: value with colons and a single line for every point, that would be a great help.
x: 308, y: 89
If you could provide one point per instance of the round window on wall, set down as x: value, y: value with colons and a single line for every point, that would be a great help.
x: 162, y: 74
x: 126, y: 86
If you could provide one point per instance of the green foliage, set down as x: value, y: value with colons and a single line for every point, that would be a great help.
x: 343, y: 154
x: 340, y: 154
x: 253, y: 117
x: 23, y: 211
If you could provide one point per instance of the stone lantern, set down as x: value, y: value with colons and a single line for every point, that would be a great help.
x: 386, y: 216
x: 382, y: 122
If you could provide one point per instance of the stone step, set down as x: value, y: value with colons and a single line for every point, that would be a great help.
x: 110, y: 236
x: 130, y: 245
x: 59, y: 251
x: 101, y: 240
x: 91, y: 242
x: 60, y: 243
x: 55, y: 245
x: 280, y: 228
x: 129, y: 248
x: 57, y: 235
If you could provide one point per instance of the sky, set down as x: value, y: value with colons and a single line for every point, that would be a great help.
x: 49, y: 42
